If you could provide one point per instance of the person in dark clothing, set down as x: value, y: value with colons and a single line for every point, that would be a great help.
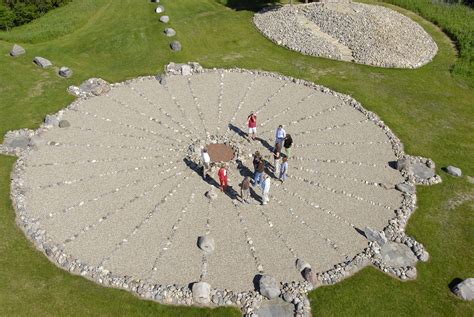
x: 287, y: 144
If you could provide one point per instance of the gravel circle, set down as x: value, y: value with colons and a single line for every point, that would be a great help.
x: 365, y: 34
x: 117, y: 195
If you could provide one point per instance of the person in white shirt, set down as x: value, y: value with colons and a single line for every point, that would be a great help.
x: 265, y: 189
x: 280, y: 135
x: 206, y: 162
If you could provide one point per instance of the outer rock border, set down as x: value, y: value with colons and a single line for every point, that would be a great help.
x: 249, y: 301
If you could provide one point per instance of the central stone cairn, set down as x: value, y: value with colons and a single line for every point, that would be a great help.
x: 110, y: 188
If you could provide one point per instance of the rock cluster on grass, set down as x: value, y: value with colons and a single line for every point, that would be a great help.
x: 89, y: 88
x: 369, y: 34
x: 17, y: 50
x: 392, y: 251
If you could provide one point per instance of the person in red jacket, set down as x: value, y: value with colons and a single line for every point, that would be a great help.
x: 223, y: 177
x: 252, y: 123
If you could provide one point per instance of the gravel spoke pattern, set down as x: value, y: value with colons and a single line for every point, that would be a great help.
x: 365, y: 34
x: 116, y: 195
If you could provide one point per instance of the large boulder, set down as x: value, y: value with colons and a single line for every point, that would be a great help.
x: 454, y: 171
x: 310, y: 276
x: 51, y: 121
x: 17, y: 50
x: 201, y: 293
x: 301, y: 265
x: 268, y: 287
x: 206, y: 243
x: 374, y: 235
x: 465, y: 289
x: 164, y: 19
x: 42, y: 62
x: 160, y: 9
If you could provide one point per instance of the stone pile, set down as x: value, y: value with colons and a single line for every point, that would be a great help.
x: 366, y: 34
x: 89, y: 88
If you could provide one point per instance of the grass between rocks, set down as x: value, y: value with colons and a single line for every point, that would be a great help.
x: 430, y: 110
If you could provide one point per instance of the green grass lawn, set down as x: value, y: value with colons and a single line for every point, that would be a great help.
x: 430, y: 110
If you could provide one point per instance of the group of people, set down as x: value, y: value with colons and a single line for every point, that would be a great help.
x: 281, y: 153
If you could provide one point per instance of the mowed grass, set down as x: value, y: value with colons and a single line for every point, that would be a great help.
x: 430, y: 111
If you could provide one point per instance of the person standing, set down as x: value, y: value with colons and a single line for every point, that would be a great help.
x: 223, y: 177
x: 252, y: 124
x: 265, y: 189
x: 287, y: 145
x: 283, y: 169
x: 280, y: 135
x: 206, y: 162
x: 245, y: 189
x: 259, y: 172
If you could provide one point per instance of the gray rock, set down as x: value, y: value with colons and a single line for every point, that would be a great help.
x: 211, y: 194
x: 170, y: 32
x: 397, y: 255
x: 455, y: 171
x: 164, y: 19
x: 64, y: 124
x: 206, y: 243
x: 425, y: 256
x: 186, y: 70
x: 374, y: 235
x: 275, y: 308
x: 161, y: 78
x: 160, y: 9
x: 65, y: 72
x: 301, y: 265
x: 36, y: 141
x: 51, y: 121
x: 422, y: 171
x: 268, y: 287
x: 310, y: 276
x: 465, y: 289
x: 42, y: 62
x: 406, y: 188
x: 411, y: 272
x: 402, y: 164
x: 201, y: 293
x: 176, y: 46
x: 17, y: 50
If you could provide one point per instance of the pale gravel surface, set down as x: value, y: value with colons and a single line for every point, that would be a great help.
x: 366, y: 34
x: 122, y: 159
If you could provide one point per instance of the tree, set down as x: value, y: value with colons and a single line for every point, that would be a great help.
x: 7, y: 17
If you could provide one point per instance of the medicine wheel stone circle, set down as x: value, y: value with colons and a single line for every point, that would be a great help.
x: 111, y: 188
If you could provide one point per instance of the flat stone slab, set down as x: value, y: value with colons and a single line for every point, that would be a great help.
x: 42, y: 62
x: 276, y: 308
x: 349, y: 31
x: 114, y: 189
x: 397, y: 255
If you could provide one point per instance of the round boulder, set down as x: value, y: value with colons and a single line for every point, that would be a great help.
x: 64, y: 124
x: 160, y: 9
x: 65, y: 72
x: 454, y: 171
x: 206, y: 244
x: 268, y: 287
x: 164, y: 19
x: 201, y: 293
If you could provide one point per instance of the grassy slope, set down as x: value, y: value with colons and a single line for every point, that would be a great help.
x: 427, y: 108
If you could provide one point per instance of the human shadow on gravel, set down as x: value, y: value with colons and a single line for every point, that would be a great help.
x: 265, y: 144
x: 198, y: 170
x: 238, y: 130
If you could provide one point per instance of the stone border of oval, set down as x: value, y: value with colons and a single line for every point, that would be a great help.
x: 249, y: 301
